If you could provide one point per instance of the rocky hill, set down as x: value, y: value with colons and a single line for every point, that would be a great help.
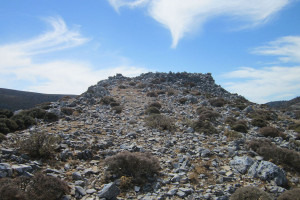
x: 291, y: 107
x: 16, y: 100
x: 155, y: 136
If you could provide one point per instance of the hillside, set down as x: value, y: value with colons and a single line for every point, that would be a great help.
x: 291, y: 107
x: 156, y: 136
x: 15, y: 99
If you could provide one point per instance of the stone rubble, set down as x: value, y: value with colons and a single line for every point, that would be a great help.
x: 94, y: 132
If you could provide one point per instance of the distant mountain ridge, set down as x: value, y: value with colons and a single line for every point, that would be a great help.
x: 285, y: 104
x: 15, y: 99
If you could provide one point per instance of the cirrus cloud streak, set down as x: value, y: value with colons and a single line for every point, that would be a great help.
x: 182, y: 17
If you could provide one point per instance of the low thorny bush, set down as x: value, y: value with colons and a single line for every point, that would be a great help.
x: 160, y: 122
x: 293, y: 194
x: 250, y: 193
x: 39, y: 145
x: 39, y: 187
x: 290, y: 159
x: 219, y: 102
x: 152, y: 110
x: 269, y: 131
x: 136, y: 165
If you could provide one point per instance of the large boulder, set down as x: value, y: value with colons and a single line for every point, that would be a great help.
x: 241, y: 164
x: 268, y: 171
x: 109, y: 191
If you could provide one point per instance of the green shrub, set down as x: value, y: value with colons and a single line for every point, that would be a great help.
x: 259, y: 122
x: 219, y: 102
x: 152, y: 110
x: 47, y: 187
x: 263, y: 114
x: 107, y: 100
x: 51, y: 117
x: 40, y: 187
x: 117, y: 109
x: 155, y: 104
x: 289, y: 158
x: 45, y: 106
x: 39, y: 145
x: 240, y: 126
x: 293, y: 194
x: 10, y: 189
x: 138, y: 166
x: 2, y: 137
x: 295, y: 127
x: 204, y: 127
x: 122, y: 87
x: 152, y: 94
x: 170, y: 92
x: 182, y: 100
x: 67, y: 111
x: 6, y: 113
x: 250, y: 193
x: 35, y: 113
x: 269, y: 131
x: 113, y: 104
x: 131, y: 83
x: 3, y: 128
x: 10, y: 124
x: 23, y: 121
x: 159, y: 92
x: 160, y: 122
x: 206, y: 114
x: 233, y: 135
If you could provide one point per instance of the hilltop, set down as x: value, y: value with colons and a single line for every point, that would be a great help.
x: 155, y: 136
x: 16, y: 100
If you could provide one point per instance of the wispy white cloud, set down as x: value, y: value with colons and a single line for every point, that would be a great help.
x: 182, y: 17
x: 116, y: 4
x: 270, y: 83
x: 267, y: 84
x: 287, y: 48
x: 17, y: 63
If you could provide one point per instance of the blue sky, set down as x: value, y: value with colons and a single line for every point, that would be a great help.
x: 251, y: 47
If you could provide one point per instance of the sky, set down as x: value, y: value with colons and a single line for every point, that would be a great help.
x: 62, y: 47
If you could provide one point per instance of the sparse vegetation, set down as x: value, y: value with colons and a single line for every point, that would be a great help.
x: 286, y: 157
x: 155, y: 104
x: 136, y: 165
x: 107, y: 100
x: 117, y: 109
x: 295, y: 127
x: 2, y: 137
x: 293, y: 194
x: 204, y: 127
x: 250, y: 193
x: 114, y: 104
x: 122, y: 87
x: 240, y: 126
x: 182, y: 100
x: 232, y: 135
x: 259, y: 122
x: 152, y: 110
x: 219, y: 102
x: 152, y: 94
x: 207, y: 114
x: 39, y: 187
x: 39, y: 145
x: 67, y: 111
x: 160, y: 122
x: 50, y: 117
x: 271, y: 132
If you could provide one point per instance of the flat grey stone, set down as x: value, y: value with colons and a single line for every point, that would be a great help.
x: 109, y: 191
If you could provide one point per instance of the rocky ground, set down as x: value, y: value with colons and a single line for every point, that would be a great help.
x: 194, y: 164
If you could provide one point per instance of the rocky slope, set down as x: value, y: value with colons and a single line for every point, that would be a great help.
x: 204, y: 151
